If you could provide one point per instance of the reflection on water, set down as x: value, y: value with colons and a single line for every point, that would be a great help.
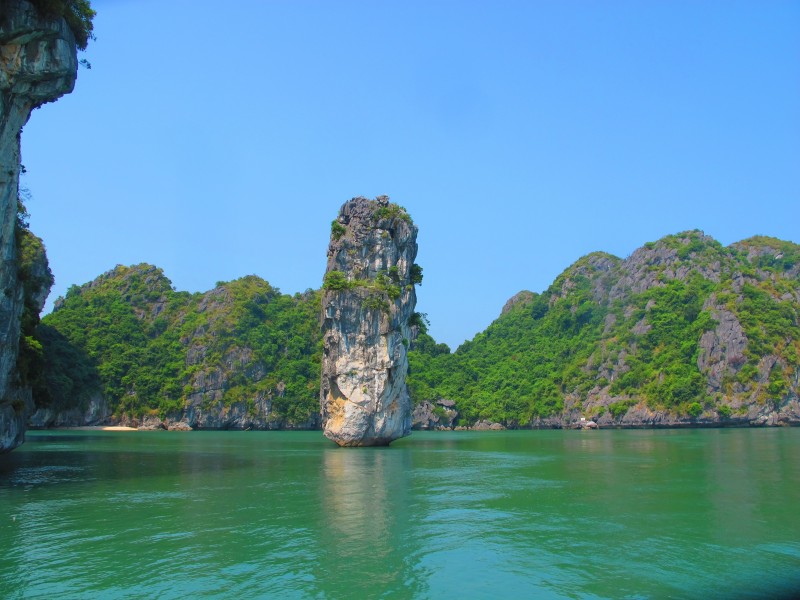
x: 364, y: 497
x: 356, y: 500
x: 550, y: 514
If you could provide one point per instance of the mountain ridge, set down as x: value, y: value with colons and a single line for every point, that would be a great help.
x: 683, y: 332
x: 615, y: 320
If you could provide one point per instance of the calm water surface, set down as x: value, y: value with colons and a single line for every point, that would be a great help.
x: 540, y: 514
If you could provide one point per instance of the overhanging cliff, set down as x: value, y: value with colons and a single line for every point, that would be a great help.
x: 38, y: 64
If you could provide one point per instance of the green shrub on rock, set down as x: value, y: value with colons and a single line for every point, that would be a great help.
x: 694, y: 409
x: 335, y: 280
x: 337, y: 229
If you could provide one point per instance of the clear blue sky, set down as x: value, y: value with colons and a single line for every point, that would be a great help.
x: 217, y: 140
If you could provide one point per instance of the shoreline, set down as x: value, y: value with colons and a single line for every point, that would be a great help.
x: 575, y: 427
x: 90, y: 428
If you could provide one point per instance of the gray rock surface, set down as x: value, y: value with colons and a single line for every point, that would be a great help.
x: 487, y: 426
x: 96, y: 412
x: 367, y: 309
x: 38, y: 64
x: 518, y: 298
x: 722, y: 350
x: 441, y: 414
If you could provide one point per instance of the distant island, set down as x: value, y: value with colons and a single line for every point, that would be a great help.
x: 684, y: 332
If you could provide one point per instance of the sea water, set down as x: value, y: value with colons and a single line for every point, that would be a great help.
x: 534, y: 514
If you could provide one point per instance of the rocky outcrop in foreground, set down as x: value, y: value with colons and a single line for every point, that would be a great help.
x: 368, y: 311
x: 38, y: 64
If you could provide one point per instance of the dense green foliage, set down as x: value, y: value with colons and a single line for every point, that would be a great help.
x: 337, y: 229
x: 608, y: 335
x: 510, y: 373
x: 77, y: 13
x: 663, y: 369
x: 34, y: 275
x: 335, y: 281
x: 579, y: 340
x: 154, y: 348
x: 391, y: 211
x: 416, y: 274
x: 385, y: 282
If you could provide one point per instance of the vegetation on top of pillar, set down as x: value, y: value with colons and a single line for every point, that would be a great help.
x: 389, y: 210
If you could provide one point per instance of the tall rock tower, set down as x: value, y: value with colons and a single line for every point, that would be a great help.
x: 38, y: 64
x: 368, y: 321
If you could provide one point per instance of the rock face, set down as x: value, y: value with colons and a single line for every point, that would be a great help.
x: 38, y: 64
x: 95, y: 413
x: 368, y: 323
x: 441, y: 414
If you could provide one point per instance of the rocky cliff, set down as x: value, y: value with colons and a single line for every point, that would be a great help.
x: 368, y: 309
x: 38, y: 64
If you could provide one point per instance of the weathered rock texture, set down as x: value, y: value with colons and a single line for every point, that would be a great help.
x: 94, y: 413
x: 38, y: 64
x: 441, y: 414
x: 367, y: 310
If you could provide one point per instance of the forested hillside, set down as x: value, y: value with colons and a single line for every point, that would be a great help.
x: 242, y: 355
x: 682, y: 332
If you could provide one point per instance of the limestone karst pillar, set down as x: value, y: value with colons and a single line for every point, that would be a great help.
x: 368, y: 312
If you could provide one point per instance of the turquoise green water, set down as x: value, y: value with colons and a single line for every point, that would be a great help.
x: 541, y: 514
